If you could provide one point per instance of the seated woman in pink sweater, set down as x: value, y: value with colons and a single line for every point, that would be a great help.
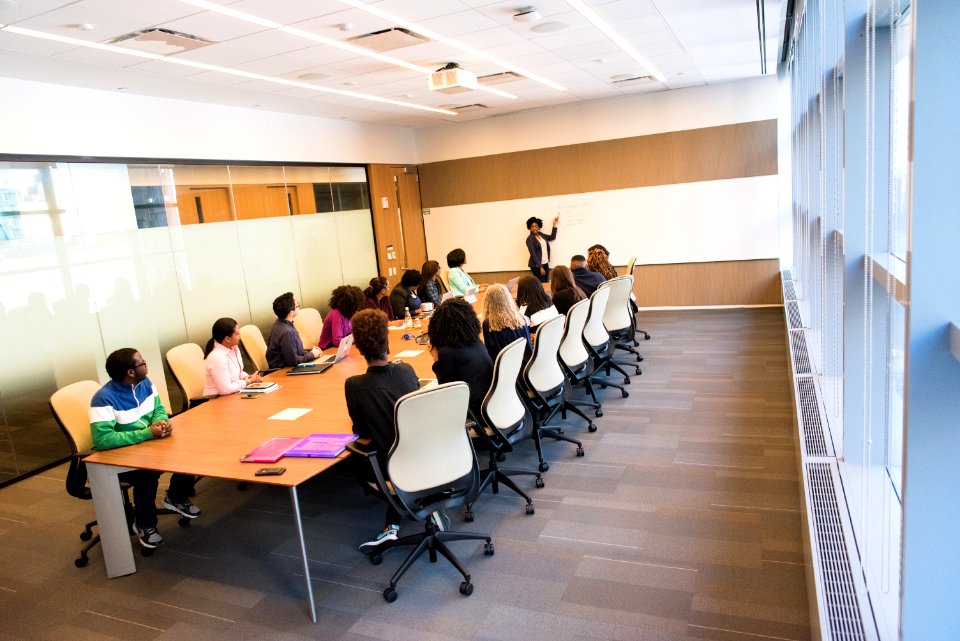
x: 344, y: 303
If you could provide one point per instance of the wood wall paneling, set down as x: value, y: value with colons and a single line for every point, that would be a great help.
x: 712, y: 153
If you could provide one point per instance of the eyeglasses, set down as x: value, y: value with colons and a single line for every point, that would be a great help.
x: 140, y: 364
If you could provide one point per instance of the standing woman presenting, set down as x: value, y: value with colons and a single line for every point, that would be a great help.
x: 539, y: 247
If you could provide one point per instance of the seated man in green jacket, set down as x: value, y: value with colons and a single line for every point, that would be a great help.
x: 125, y: 411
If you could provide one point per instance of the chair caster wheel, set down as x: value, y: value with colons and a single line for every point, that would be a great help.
x: 591, y: 428
x: 599, y: 413
x: 81, y: 562
x: 639, y: 358
x: 376, y: 559
x: 466, y: 588
x: 579, y: 451
x: 501, y: 457
x: 626, y: 380
x: 638, y: 372
x: 625, y: 393
x: 539, y: 481
x: 646, y: 336
x: 183, y: 521
x: 529, y: 508
x: 468, y: 516
x: 389, y: 595
x: 146, y: 552
x: 488, y: 549
x: 544, y: 466
x: 86, y: 535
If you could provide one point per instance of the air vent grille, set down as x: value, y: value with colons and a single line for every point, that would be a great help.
x: 389, y: 39
x: 789, y: 292
x: 814, y: 440
x: 842, y: 607
x: 793, y: 315
x: 499, y: 78
x: 801, y: 360
x: 787, y: 275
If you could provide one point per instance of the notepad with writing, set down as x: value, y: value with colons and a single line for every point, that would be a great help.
x: 321, y: 445
x: 261, y: 388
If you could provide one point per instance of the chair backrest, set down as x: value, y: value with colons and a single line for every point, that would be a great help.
x: 432, y: 463
x: 251, y: 341
x: 630, y: 265
x: 617, y: 316
x: 543, y: 371
x: 186, y: 365
x: 573, y: 353
x: 502, y: 408
x: 71, y: 410
x: 309, y: 324
x: 445, y: 277
x: 594, y: 333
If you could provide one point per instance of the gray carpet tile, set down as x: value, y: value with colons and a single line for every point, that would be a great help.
x: 681, y: 522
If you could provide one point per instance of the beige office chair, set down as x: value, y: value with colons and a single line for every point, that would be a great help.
x: 618, y: 317
x: 309, y: 324
x: 633, y: 300
x: 445, y: 277
x: 186, y: 364
x: 253, y: 345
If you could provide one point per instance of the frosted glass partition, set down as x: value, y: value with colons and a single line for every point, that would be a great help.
x: 98, y: 256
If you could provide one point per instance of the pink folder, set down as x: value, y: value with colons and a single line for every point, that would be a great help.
x: 271, y: 451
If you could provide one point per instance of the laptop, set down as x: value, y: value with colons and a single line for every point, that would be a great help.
x: 345, y: 344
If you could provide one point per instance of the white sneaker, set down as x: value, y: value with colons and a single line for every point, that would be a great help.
x: 389, y: 533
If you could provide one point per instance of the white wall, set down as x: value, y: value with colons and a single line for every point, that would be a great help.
x: 693, y: 108
x: 47, y: 119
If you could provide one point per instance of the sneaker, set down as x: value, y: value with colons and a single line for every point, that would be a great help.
x: 441, y: 520
x: 184, y: 507
x: 389, y: 533
x: 150, y: 538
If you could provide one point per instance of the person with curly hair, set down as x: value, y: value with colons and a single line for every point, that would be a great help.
x: 457, y: 352
x: 502, y: 322
x: 598, y: 260
x: 345, y: 301
x: 370, y: 400
x: 376, y: 297
x: 538, y: 244
x: 564, y: 289
x: 534, y: 301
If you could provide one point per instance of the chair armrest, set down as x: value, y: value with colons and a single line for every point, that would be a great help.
x: 366, y: 451
x: 200, y: 400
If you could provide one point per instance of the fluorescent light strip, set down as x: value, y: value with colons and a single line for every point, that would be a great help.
x: 200, y: 65
x: 389, y: 17
x: 617, y: 39
x: 345, y: 46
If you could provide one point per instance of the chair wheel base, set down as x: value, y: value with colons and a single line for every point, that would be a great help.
x: 544, y: 466
x: 539, y: 481
x: 81, y: 561
x: 501, y: 457
x: 626, y: 380
x: 598, y: 413
x: 579, y: 451
x: 468, y: 516
x: 625, y: 393
x: 86, y: 535
x: 591, y: 428
x: 376, y: 559
x: 466, y: 589
x: 488, y: 549
x: 530, y: 509
x: 389, y: 595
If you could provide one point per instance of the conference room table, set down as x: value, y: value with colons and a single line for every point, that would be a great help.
x: 210, y: 439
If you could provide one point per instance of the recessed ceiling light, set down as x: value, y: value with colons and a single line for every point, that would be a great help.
x: 527, y: 14
x: 350, y: 83
x: 617, y: 39
x: 313, y: 75
x: 549, y: 27
x: 345, y: 26
x: 121, y: 88
x: 601, y: 61
x: 86, y: 26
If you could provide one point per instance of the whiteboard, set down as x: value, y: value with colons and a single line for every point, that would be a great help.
x: 717, y: 220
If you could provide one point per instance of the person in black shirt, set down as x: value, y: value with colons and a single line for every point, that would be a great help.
x: 586, y: 280
x: 284, y: 347
x: 371, y: 398
x: 404, y: 295
x: 457, y: 351
x: 564, y: 289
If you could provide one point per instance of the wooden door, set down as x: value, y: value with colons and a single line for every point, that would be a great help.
x: 397, y: 219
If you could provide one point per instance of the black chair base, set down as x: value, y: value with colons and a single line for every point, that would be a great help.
x: 494, y: 475
x: 431, y: 541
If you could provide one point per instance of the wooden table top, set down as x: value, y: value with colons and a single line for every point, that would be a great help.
x: 209, y: 439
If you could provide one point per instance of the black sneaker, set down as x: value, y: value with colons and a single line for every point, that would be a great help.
x: 184, y: 507
x: 150, y: 538
x: 389, y: 533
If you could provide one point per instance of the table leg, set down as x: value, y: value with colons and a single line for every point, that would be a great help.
x: 111, y: 519
x: 303, y: 552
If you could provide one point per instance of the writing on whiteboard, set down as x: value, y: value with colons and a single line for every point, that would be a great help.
x: 573, y: 214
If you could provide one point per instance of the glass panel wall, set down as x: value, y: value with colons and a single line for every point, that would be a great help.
x: 98, y: 256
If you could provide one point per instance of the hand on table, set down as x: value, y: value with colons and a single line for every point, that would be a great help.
x: 161, y: 429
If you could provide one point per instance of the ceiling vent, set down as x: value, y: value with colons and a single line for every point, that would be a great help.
x: 452, y: 79
x: 389, y: 39
x: 161, y: 41
x: 499, y: 78
x: 629, y: 80
x: 462, y: 109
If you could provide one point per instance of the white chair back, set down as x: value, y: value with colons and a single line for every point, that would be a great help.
x: 572, y: 350
x: 186, y: 363
x: 502, y: 407
x: 309, y: 324
x: 617, y: 316
x: 594, y: 333
x: 71, y: 409
x: 630, y: 265
x: 251, y: 340
x: 432, y: 446
x: 543, y: 371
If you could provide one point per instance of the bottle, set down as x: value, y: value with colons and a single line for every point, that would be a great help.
x: 417, y: 322
x: 407, y: 319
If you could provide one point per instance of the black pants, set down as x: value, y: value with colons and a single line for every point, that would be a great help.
x: 545, y: 277
x: 145, y: 484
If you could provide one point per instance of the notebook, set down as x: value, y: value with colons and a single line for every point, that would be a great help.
x: 271, y: 451
x: 342, y: 350
x: 320, y: 446
x: 261, y: 388
x: 309, y: 368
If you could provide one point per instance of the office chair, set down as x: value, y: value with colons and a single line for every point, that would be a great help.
x: 504, y: 421
x: 633, y: 304
x: 309, y: 324
x: 574, y: 357
x: 186, y: 364
x: 598, y: 342
x: 70, y: 407
x: 617, y: 318
x: 547, y: 388
x: 431, y: 466
x: 252, y: 343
